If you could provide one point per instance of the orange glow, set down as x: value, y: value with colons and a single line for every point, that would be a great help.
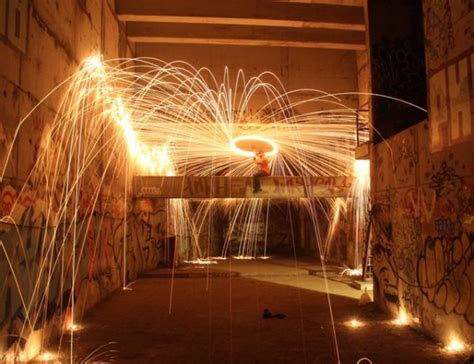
x: 455, y: 345
x: 250, y: 153
x: 354, y: 323
x: 94, y: 65
x: 402, y: 319
x: 46, y: 356
x: 73, y: 327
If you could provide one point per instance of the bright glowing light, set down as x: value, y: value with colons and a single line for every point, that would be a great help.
x: 74, y: 327
x: 264, y: 257
x: 94, y: 65
x: 351, y: 272
x: 255, y: 144
x: 201, y: 261
x: 354, y: 323
x: 151, y: 160
x: 243, y: 257
x: 362, y: 168
x: 122, y: 118
x: 402, y: 319
x: 46, y: 356
x: 455, y: 345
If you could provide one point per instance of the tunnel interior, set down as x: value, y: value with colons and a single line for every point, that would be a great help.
x: 243, y: 181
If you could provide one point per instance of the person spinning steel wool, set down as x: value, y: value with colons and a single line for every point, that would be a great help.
x: 263, y: 170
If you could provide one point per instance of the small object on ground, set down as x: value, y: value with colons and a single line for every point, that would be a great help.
x: 364, y: 298
x: 268, y: 315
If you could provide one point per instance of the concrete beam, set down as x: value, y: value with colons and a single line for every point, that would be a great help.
x: 245, y: 12
x: 328, y: 2
x: 244, y: 35
x: 196, y: 187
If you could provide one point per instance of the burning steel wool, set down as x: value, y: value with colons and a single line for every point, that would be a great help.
x: 130, y: 117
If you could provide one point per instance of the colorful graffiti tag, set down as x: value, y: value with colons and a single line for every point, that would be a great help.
x: 29, y: 249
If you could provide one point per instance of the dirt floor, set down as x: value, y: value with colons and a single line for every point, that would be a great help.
x: 209, y: 315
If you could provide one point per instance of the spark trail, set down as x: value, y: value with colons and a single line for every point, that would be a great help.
x: 142, y: 116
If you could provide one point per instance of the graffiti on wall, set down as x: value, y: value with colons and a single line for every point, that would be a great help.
x: 439, y: 31
x: 450, y: 100
x: 35, y: 259
x: 189, y: 187
x: 450, y: 61
x: 386, y: 275
x: 445, y: 274
x: 423, y: 236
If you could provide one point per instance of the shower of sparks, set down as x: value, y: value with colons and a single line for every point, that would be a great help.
x: 169, y: 119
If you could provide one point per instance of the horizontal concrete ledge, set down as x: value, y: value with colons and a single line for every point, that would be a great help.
x: 248, y: 42
x: 250, y: 12
x: 362, y: 285
x: 275, y: 187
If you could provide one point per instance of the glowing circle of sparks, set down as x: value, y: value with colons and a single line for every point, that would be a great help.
x: 254, y: 144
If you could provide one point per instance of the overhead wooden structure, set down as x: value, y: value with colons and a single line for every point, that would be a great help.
x: 196, y: 187
x: 247, y: 22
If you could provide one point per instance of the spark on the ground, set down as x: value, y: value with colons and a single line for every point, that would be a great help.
x: 402, y: 318
x: 46, y: 356
x: 351, y: 272
x: 354, y: 323
x: 201, y: 261
x: 455, y: 345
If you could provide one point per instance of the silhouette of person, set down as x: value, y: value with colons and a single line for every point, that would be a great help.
x: 263, y: 170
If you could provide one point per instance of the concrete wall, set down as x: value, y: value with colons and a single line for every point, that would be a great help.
x: 423, y: 190
x: 55, y: 36
x: 298, y: 68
